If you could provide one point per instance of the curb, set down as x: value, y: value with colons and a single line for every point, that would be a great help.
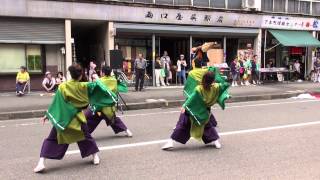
x: 151, y: 105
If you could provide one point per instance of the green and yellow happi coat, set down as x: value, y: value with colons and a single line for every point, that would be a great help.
x: 199, y: 101
x: 115, y: 86
x: 65, y: 112
x: 195, y: 77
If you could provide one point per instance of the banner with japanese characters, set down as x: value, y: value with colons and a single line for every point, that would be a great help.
x: 184, y: 17
x: 290, y: 23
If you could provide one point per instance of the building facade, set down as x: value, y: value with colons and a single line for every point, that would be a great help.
x: 50, y: 35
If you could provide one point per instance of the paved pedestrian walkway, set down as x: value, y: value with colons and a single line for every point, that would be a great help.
x: 37, y: 101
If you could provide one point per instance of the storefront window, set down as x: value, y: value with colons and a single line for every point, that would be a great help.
x: 144, y: 1
x: 304, y: 7
x: 182, y: 2
x: 168, y: 2
x: 218, y: 3
x: 267, y: 5
x: 316, y: 8
x: 234, y: 4
x: 34, y: 63
x: 245, y: 43
x: 12, y: 56
x: 293, y: 6
x: 130, y: 48
x: 279, y: 5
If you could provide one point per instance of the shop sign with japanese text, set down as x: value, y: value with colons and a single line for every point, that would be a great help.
x: 290, y: 23
x: 201, y: 18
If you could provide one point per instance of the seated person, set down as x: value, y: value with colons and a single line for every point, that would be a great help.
x: 49, y: 83
x: 60, y: 78
x: 21, y: 80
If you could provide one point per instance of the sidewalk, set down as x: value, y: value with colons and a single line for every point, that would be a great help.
x: 33, y: 105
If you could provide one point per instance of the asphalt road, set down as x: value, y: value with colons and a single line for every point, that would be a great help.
x: 260, y: 140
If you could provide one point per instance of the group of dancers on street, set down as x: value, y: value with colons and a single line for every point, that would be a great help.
x: 78, y: 108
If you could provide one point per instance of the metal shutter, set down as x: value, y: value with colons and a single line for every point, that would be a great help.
x: 34, y: 31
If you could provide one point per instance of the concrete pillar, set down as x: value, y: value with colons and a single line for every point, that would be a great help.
x: 109, y: 44
x: 313, y: 55
x: 258, y: 45
x: 191, y: 46
x: 224, y: 48
x: 68, y: 46
x: 153, y: 59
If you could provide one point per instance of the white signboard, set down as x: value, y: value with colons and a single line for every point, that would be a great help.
x: 291, y: 23
x: 176, y: 16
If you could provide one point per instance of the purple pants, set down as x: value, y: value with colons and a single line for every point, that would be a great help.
x: 182, y: 131
x: 52, y: 150
x: 94, y: 120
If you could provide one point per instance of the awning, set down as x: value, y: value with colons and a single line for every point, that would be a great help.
x: 186, y: 30
x: 295, y: 38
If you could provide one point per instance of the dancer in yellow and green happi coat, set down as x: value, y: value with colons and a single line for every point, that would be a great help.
x: 70, y: 125
x: 196, y: 119
x: 195, y: 78
x: 108, y: 113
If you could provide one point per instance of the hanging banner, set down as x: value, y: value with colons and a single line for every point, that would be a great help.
x: 290, y: 23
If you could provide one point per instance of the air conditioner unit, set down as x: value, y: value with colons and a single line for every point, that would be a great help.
x: 251, y: 5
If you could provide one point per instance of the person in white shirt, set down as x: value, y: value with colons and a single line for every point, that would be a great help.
x: 181, y: 71
x: 159, y: 73
x: 297, y: 69
x: 92, y: 70
x: 49, y: 83
x: 165, y: 62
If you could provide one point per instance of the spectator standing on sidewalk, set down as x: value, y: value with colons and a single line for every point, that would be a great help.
x: 241, y: 70
x: 165, y: 62
x: 255, y: 70
x: 235, y: 71
x: 297, y: 69
x: 270, y: 65
x: 92, y: 70
x: 182, y: 65
x: 247, y: 66
x: 159, y: 73
x: 316, y: 66
x: 22, y: 80
x: 140, y: 65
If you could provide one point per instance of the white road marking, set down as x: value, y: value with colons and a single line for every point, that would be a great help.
x: 247, y: 131
x: 2, y: 126
x: 268, y: 104
x: 27, y: 124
